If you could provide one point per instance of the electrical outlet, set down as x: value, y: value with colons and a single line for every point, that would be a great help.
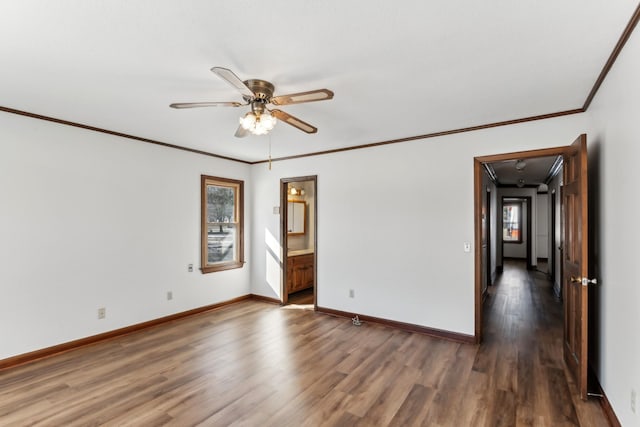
x: 352, y: 294
x: 169, y: 295
x: 633, y: 401
x: 190, y: 268
x: 102, y: 313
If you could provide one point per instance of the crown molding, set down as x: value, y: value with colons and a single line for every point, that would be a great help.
x: 114, y: 133
x: 624, y: 37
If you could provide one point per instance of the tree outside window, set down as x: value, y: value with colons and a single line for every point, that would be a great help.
x: 222, y: 224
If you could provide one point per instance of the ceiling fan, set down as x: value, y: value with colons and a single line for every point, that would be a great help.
x: 259, y: 94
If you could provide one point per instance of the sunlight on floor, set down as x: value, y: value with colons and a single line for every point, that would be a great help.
x: 298, y: 307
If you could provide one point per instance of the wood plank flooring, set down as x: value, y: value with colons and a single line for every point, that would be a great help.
x: 257, y: 364
x: 303, y: 297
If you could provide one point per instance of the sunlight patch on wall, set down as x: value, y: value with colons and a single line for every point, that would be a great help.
x: 273, y: 244
x: 273, y: 254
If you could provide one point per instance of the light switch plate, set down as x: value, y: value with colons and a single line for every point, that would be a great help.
x: 467, y: 247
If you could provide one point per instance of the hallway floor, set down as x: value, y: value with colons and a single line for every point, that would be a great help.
x: 522, y: 353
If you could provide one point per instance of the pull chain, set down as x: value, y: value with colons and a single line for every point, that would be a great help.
x: 269, y: 151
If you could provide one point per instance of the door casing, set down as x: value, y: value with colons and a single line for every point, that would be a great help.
x: 478, y: 199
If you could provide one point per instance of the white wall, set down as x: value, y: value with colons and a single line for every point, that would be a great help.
x: 392, y: 221
x: 90, y: 220
x: 542, y: 225
x: 614, y: 178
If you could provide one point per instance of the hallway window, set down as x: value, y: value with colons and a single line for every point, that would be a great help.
x: 222, y: 224
x: 512, y: 222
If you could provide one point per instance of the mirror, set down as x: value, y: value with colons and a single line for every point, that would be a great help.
x: 296, y: 217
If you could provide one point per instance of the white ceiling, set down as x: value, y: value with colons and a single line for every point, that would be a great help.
x: 535, y: 171
x: 398, y: 68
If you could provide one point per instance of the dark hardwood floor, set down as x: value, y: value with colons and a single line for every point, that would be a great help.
x: 257, y: 364
x: 303, y: 297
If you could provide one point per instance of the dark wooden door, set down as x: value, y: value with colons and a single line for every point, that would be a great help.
x: 552, y: 238
x: 574, y: 262
x: 488, y: 240
x: 485, y: 243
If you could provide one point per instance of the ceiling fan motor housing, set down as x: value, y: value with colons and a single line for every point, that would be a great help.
x: 262, y: 89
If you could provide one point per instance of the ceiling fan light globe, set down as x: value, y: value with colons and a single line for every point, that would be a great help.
x: 259, y: 130
x: 267, y: 121
x: 248, y: 122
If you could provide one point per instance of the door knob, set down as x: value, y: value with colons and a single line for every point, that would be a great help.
x: 583, y: 281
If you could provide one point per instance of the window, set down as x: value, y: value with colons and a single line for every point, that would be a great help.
x: 512, y: 222
x: 222, y: 224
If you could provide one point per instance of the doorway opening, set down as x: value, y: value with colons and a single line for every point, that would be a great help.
x: 522, y: 181
x: 298, y: 217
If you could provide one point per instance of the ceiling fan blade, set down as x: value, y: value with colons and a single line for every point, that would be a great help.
x: 297, y: 98
x: 234, y: 81
x: 241, y: 132
x: 294, y: 121
x: 205, y: 104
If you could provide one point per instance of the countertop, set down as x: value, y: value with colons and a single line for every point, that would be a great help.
x: 300, y: 252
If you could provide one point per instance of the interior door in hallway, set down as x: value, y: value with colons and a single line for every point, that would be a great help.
x: 574, y: 262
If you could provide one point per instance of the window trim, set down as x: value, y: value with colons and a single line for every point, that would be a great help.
x: 520, y: 205
x: 238, y: 185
